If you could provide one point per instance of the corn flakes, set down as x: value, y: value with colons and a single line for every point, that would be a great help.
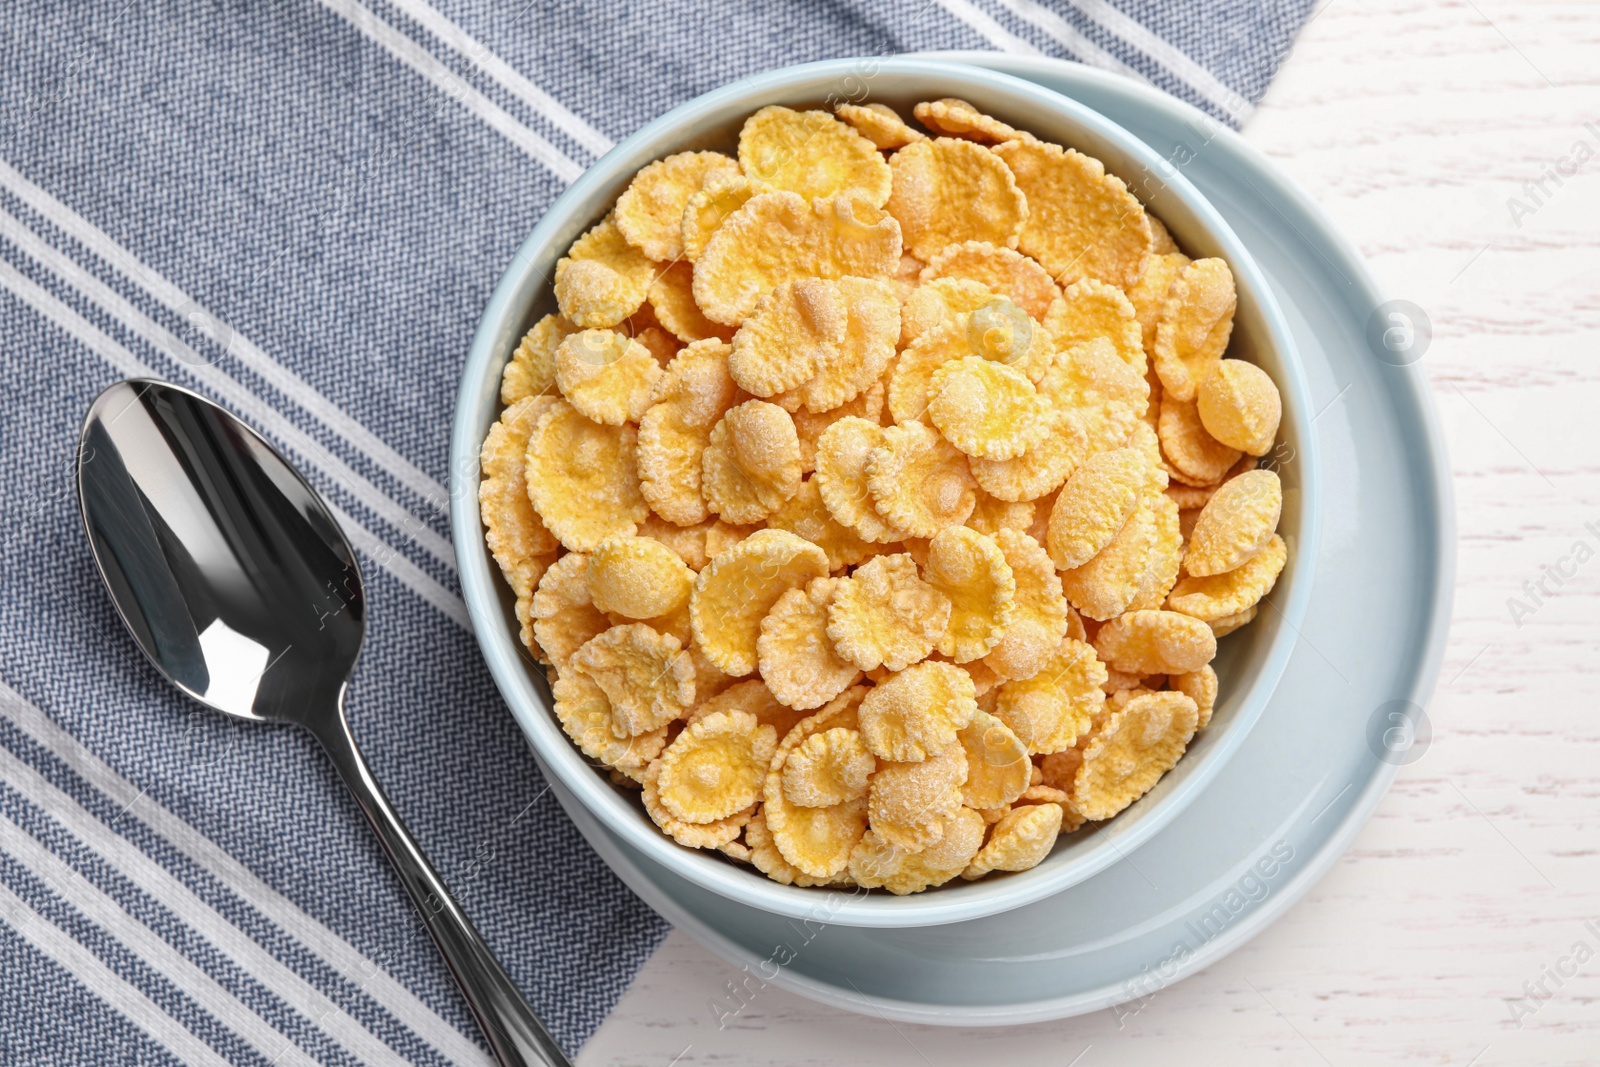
x: 794, y: 653
x: 1194, y: 326
x: 582, y: 478
x: 813, y: 154
x: 883, y: 614
x: 650, y: 211
x: 1140, y: 742
x: 532, y: 369
x: 948, y: 191
x: 602, y: 279
x: 919, y: 482
x: 1083, y: 222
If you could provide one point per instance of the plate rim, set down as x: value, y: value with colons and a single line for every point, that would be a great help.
x: 1423, y: 679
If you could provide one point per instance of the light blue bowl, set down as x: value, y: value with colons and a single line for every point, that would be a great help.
x: 1251, y: 661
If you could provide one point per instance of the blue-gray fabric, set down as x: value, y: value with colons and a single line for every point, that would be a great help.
x: 300, y: 209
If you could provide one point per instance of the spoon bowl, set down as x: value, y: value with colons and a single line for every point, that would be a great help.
x: 234, y: 579
x: 226, y: 566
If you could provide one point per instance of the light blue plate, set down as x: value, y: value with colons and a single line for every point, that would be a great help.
x: 1250, y: 661
x: 1316, y: 764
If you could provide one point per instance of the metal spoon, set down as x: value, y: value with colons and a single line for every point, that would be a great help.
x: 237, y: 583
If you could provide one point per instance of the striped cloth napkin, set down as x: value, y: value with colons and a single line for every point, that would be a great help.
x: 300, y: 209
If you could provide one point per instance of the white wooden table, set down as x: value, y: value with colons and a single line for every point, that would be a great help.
x: 1413, y: 124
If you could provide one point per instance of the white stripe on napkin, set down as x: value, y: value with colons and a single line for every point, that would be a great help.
x: 143, y: 942
x: 514, y: 82
x: 320, y: 939
x: 208, y: 923
x: 92, y: 338
x: 987, y: 28
x: 280, y: 377
x: 445, y: 80
x: 1067, y: 35
x: 221, y: 384
x: 1164, y: 52
x: 110, y: 987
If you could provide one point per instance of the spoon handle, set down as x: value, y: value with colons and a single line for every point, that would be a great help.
x: 514, y: 1032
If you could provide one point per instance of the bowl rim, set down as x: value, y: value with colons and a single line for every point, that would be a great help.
x: 502, y: 321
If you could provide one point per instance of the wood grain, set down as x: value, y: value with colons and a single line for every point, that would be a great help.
x: 1414, y: 125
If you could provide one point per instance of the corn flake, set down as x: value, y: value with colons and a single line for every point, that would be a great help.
x: 880, y: 124
x: 602, y: 279
x: 582, y: 479
x: 1106, y: 586
x: 987, y: 409
x: 1192, y: 453
x: 990, y: 514
x: 971, y: 571
x: 1038, y: 620
x: 1149, y: 296
x: 1042, y: 469
x: 998, y: 770
x: 752, y: 697
x: 1194, y: 327
x: 957, y: 118
x: 1095, y: 503
x: 672, y: 300
x: 1083, y: 222
x: 877, y: 864
x: 1236, y: 523
x: 948, y: 191
x: 1155, y: 642
x: 585, y: 714
x: 809, y: 428
x: 751, y: 463
x: 1051, y: 709
x: 693, y: 835
x: 1089, y: 309
x: 779, y: 236
x: 794, y: 653
x: 638, y: 578
x: 1240, y: 406
x: 915, y: 713
x: 1166, y: 554
x: 650, y: 211
x: 766, y: 858
x: 843, y: 451
x: 1228, y: 623
x: 1019, y: 841
x: 607, y: 376
x: 909, y: 804
x: 919, y: 482
x: 1140, y: 743
x: 883, y: 614
x: 705, y: 210
x: 1003, y: 271
x: 1212, y: 598
x: 1201, y: 687
x: 857, y: 362
x: 716, y: 767
x: 813, y: 154
x: 936, y: 303
x: 805, y: 514
x: 794, y: 329
x: 1107, y: 394
x: 737, y: 589
x: 532, y: 369
x: 646, y: 675
x: 828, y: 768
x: 513, y: 530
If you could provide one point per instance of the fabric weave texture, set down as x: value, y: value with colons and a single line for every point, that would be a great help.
x: 300, y: 209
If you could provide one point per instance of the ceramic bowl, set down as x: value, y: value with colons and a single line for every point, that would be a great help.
x: 1250, y: 662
